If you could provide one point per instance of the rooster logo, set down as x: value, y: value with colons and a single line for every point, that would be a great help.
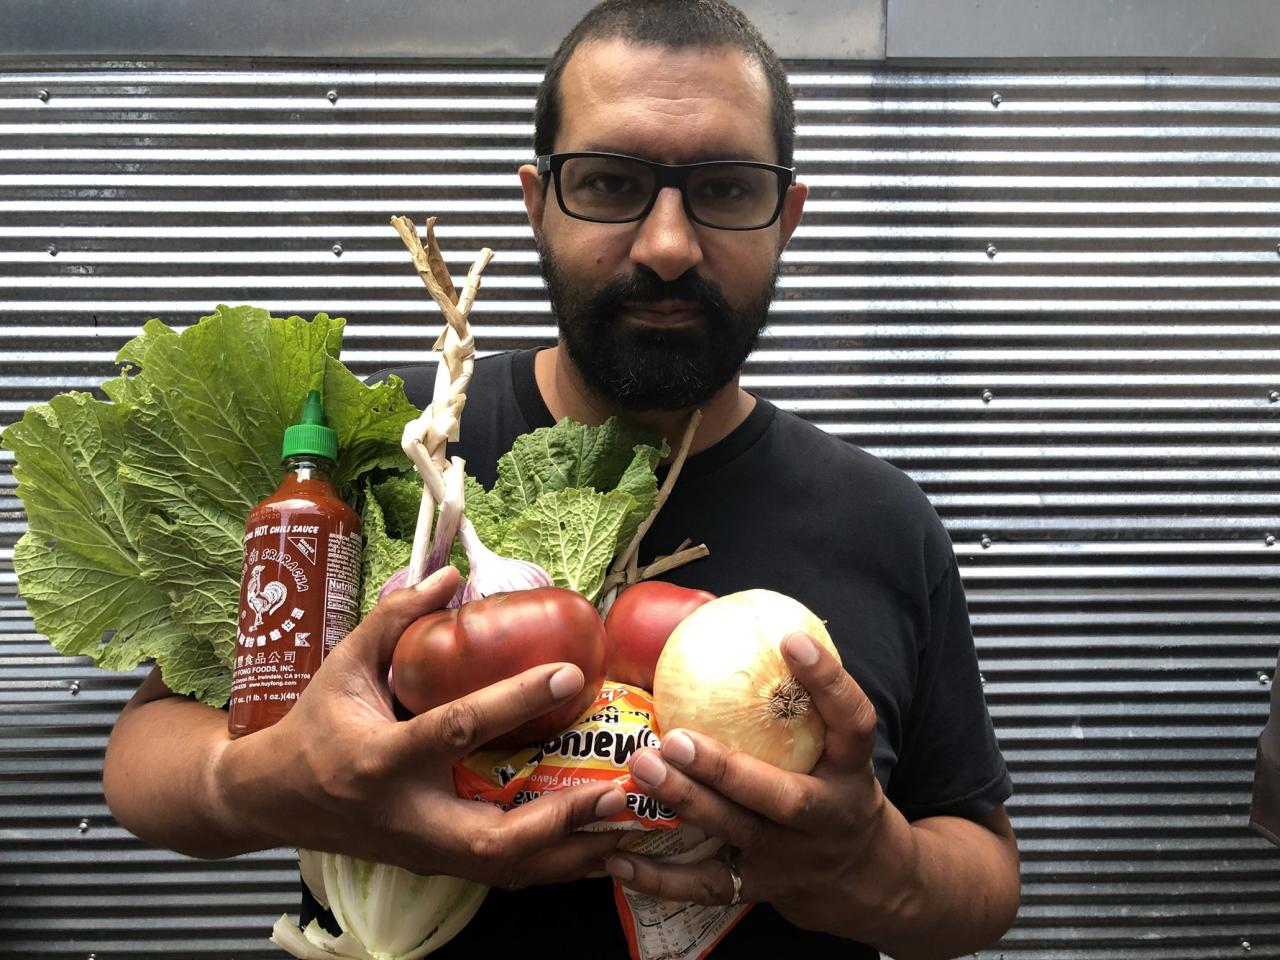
x: 264, y: 598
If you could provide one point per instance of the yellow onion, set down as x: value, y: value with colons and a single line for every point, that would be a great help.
x: 722, y: 674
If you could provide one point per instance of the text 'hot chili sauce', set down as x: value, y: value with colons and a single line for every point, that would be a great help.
x: 299, y: 593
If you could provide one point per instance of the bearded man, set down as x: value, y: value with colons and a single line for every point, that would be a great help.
x: 661, y: 198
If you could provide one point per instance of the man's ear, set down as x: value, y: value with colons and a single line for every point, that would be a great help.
x: 535, y: 198
x: 792, y: 210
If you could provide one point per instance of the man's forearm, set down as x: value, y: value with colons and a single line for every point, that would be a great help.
x: 960, y: 891
x: 158, y: 775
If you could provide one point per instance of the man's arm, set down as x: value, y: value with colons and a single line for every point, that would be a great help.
x: 340, y: 773
x: 829, y: 850
x: 159, y: 775
x: 964, y: 889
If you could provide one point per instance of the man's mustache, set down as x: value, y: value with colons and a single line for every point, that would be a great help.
x: 645, y: 286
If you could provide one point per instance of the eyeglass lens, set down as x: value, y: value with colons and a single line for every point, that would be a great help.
x: 618, y: 189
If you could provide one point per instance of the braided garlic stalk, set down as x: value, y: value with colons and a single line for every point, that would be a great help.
x: 424, y: 439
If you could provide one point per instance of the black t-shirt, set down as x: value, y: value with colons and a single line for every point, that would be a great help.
x: 785, y: 506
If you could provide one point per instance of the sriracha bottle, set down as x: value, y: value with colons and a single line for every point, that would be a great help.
x: 299, y: 593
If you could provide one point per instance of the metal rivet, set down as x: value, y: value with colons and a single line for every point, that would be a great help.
x: 1263, y: 678
x: 1269, y: 539
x: 1246, y: 946
x: 986, y: 542
x: 337, y: 249
x: 84, y: 826
x: 333, y: 96
x: 987, y: 396
x: 42, y: 95
x: 52, y: 249
x: 992, y: 250
x: 1274, y: 396
x: 74, y: 687
x: 996, y: 99
x: 982, y: 679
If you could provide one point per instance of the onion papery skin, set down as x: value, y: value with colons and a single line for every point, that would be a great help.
x: 722, y: 674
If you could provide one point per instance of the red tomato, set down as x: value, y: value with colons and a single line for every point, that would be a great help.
x: 450, y: 653
x: 639, y: 623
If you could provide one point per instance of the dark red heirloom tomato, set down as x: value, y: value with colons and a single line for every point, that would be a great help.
x: 638, y: 625
x: 451, y: 653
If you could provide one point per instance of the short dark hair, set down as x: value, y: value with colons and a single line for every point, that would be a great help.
x: 675, y: 24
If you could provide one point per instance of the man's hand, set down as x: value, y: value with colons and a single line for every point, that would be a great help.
x: 797, y: 836
x: 827, y: 850
x: 339, y: 773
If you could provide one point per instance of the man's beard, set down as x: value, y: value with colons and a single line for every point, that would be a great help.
x: 639, y: 368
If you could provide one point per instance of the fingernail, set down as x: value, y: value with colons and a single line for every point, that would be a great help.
x: 565, y: 682
x: 678, y: 748
x: 802, y: 650
x: 615, y: 801
x: 432, y: 581
x: 649, y: 768
x: 620, y: 868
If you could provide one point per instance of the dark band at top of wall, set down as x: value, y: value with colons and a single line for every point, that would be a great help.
x: 871, y: 30
x: 374, y: 29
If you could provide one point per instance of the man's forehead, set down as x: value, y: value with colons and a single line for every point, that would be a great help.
x: 617, y: 95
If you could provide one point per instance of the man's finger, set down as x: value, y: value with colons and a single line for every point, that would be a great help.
x: 709, y: 883
x: 374, y: 641
x: 792, y: 800
x: 850, y: 717
x: 462, y: 726
x: 570, y: 859
x: 539, y: 842
x: 705, y: 806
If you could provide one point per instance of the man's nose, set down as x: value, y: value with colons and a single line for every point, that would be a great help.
x: 667, y: 241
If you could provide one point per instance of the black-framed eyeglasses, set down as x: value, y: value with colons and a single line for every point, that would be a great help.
x: 612, y: 188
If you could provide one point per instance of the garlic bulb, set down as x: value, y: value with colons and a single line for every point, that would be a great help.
x: 386, y: 913
x: 722, y: 673
x: 492, y: 573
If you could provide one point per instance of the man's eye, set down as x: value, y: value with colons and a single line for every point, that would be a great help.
x: 610, y: 183
x: 724, y: 190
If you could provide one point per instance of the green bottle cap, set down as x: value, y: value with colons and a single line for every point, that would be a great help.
x: 309, y: 436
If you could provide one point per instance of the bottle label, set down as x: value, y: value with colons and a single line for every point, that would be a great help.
x: 298, y: 597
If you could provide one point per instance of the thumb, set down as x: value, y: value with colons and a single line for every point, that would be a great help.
x: 374, y: 640
x: 849, y: 715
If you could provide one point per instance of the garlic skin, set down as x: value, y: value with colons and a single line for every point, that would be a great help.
x: 397, y: 581
x: 492, y: 573
x: 722, y: 674
x: 400, y: 579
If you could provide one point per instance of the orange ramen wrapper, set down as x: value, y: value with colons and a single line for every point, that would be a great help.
x: 596, y: 748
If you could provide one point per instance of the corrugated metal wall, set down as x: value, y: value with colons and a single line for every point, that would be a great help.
x: 1046, y: 292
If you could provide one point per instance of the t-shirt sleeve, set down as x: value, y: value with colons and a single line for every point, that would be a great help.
x: 950, y: 763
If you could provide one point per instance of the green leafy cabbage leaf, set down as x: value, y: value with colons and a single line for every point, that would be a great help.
x: 136, y: 506
x: 566, y: 497
x: 383, y: 554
